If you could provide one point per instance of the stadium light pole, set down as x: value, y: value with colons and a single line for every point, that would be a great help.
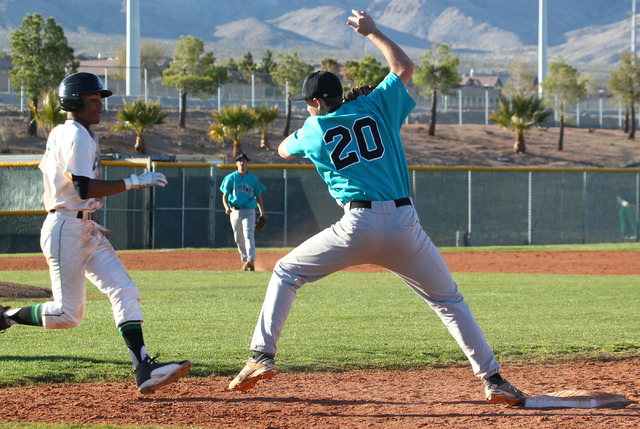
x: 542, y: 44
x: 633, y: 25
x: 133, y: 47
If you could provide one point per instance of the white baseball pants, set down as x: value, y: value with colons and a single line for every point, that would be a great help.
x: 393, y: 238
x: 243, y: 223
x: 74, y: 248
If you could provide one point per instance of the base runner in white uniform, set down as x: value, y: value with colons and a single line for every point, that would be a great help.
x: 357, y: 150
x: 75, y: 246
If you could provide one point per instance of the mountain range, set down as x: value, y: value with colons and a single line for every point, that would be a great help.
x: 588, y: 32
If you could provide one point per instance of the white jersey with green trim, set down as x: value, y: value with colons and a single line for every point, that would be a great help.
x: 71, y: 149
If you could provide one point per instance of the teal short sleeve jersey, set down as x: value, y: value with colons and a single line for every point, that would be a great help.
x: 242, y: 191
x: 357, y: 149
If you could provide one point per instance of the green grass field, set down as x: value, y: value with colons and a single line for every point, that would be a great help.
x: 345, y: 321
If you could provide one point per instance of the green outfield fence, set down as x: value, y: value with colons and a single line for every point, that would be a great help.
x: 458, y: 206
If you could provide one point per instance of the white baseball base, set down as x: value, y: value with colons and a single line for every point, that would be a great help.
x: 574, y: 399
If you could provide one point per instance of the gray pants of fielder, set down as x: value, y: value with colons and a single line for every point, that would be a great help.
x: 393, y: 238
x: 243, y: 223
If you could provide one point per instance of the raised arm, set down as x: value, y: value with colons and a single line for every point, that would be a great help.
x: 401, y: 65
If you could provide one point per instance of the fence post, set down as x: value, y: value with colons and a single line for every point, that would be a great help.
x: 415, y: 189
x: 460, y: 107
x: 529, y: 209
x: 184, y: 191
x: 146, y: 85
x: 105, y: 201
x: 469, y: 218
x: 151, y: 205
x: 286, y: 202
x: 212, y: 206
x: 578, y: 113
x: 584, y: 230
x: 637, y: 207
x: 219, y: 98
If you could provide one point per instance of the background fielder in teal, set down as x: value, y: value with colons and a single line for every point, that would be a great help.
x: 241, y: 195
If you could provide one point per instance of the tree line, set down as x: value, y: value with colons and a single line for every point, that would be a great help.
x: 42, y: 58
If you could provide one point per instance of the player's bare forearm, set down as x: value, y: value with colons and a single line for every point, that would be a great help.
x: 104, y: 188
x: 225, y: 203
x: 399, y: 62
x: 282, y: 149
x: 260, y: 205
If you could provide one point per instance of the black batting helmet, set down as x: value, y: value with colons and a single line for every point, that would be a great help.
x: 79, y: 83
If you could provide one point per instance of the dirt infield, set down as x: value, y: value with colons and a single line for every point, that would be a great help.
x: 600, y: 263
x: 449, y: 397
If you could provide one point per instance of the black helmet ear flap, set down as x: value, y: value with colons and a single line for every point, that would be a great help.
x: 79, y: 83
x: 71, y: 104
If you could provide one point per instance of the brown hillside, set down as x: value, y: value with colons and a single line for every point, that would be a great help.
x: 474, y: 145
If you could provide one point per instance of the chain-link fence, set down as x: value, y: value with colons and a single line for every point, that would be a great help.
x: 458, y: 206
x: 469, y: 105
x: 182, y: 211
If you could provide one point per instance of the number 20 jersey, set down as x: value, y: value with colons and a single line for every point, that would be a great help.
x: 357, y: 149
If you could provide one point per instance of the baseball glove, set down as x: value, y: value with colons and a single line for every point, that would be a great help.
x: 261, y: 223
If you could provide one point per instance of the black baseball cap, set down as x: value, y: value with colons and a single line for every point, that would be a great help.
x: 320, y: 84
x: 242, y: 156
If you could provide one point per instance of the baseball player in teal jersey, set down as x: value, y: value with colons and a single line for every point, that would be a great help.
x: 358, y: 152
x: 75, y: 246
x: 241, y: 195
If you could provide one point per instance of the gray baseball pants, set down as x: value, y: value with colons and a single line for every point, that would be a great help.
x: 243, y: 223
x: 393, y: 238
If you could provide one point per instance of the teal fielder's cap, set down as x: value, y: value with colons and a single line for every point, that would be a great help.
x: 320, y: 84
x: 241, y: 157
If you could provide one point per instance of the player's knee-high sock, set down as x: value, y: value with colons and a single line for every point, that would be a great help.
x: 132, y: 334
x: 26, y: 315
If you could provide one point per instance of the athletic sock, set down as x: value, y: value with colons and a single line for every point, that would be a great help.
x: 25, y: 315
x: 132, y: 334
x: 495, y: 377
x: 260, y: 356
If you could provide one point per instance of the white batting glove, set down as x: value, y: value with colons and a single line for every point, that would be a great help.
x: 150, y: 178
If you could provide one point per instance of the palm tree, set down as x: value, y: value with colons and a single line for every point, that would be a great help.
x: 49, y: 114
x: 437, y: 74
x: 519, y: 113
x: 265, y: 116
x: 231, y: 123
x: 140, y: 116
